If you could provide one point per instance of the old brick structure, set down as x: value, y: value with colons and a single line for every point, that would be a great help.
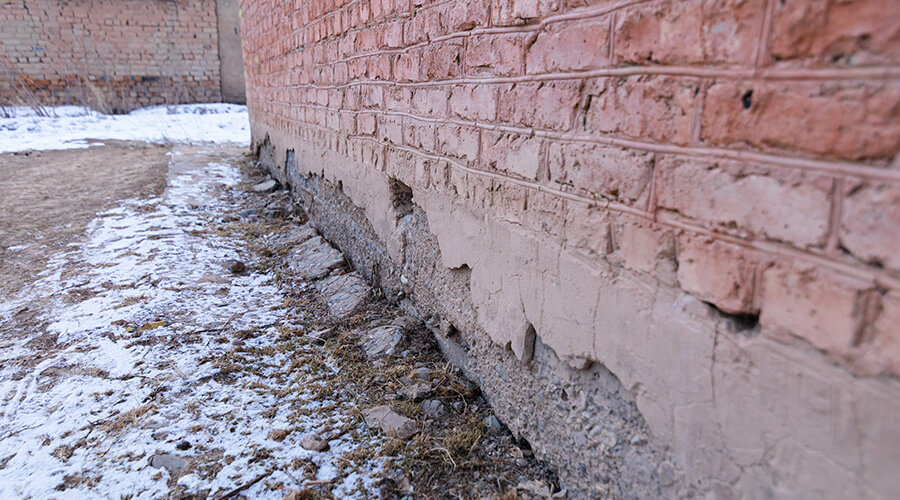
x: 117, y: 55
x: 663, y: 235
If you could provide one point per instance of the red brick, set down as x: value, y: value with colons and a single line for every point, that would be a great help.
x: 515, y: 154
x: 854, y: 120
x: 569, y: 46
x: 551, y: 105
x: 430, y: 101
x: 406, y: 66
x: 511, y: 12
x: 870, y: 225
x: 647, y: 107
x: 474, y: 102
x: 614, y: 173
x: 847, y: 32
x: 719, y: 273
x: 464, y: 15
x: 729, y: 197
x: 500, y: 55
x: 443, y: 61
x: 813, y: 304
x: 458, y: 142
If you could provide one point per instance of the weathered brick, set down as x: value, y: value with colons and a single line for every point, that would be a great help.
x: 500, y: 55
x: 550, y: 105
x: 677, y: 32
x: 649, y: 107
x: 813, y: 304
x: 719, y: 273
x: 474, y: 102
x: 728, y: 197
x: 430, y: 101
x: 512, y: 153
x: 443, y: 61
x: 847, y: 32
x: 848, y: 120
x: 870, y: 224
x: 511, y: 12
x: 569, y: 46
x: 614, y: 173
x: 459, y: 142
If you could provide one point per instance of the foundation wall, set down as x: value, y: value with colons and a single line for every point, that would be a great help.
x: 662, y: 235
x: 117, y: 55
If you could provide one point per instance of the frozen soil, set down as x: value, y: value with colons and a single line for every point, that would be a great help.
x: 138, y: 359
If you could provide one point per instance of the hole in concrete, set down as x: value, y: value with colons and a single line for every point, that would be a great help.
x: 742, y: 324
x: 401, y: 198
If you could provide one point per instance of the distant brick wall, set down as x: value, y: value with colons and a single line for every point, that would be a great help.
x: 742, y: 151
x: 132, y: 53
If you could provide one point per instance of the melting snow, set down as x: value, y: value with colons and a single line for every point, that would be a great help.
x: 73, y: 127
x: 134, y: 369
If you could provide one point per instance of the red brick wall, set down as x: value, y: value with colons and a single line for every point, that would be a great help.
x: 756, y: 138
x: 132, y: 52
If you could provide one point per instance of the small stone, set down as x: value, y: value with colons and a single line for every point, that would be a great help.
x: 458, y: 406
x: 390, y: 422
x: 314, y: 259
x: 172, y: 463
x: 184, y: 445
x: 416, y: 391
x: 265, y: 186
x: 236, y: 266
x: 638, y: 440
x: 422, y: 373
x: 159, y: 436
x: 321, y: 336
x: 493, y: 423
x: 382, y: 341
x: 279, y: 434
x: 293, y: 237
x: 433, y: 408
x: 344, y: 294
x: 313, y: 442
x: 608, y: 439
x: 250, y: 212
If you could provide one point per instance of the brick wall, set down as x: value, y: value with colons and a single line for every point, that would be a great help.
x: 131, y: 53
x: 740, y: 153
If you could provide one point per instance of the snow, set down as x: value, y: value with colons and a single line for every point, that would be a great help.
x: 70, y: 127
x: 135, y: 368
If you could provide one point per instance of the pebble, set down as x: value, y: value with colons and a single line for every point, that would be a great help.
x: 172, y: 463
x: 236, y: 266
x: 416, y: 391
x: 390, y: 422
x: 184, y: 445
x: 265, y: 186
x: 382, y: 341
x: 493, y: 423
x: 433, y: 408
x: 314, y: 442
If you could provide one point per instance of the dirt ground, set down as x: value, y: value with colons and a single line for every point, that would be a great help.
x: 137, y: 362
x: 47, y: 198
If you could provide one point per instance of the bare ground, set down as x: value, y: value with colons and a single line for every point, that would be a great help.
x: 222, y: 370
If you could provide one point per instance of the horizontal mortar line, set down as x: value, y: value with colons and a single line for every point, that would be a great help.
x: 740, y: 74
x: 841, y: 169
x: 877, y: 277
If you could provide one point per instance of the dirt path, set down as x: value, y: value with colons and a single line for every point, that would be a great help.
x: 187, y: 342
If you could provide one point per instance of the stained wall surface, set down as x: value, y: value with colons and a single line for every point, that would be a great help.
x: 113, y: 54
x: 701, y: 196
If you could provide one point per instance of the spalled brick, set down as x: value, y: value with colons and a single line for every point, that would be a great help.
x: 482, y: 55
x: 512, y: 12
x: 719, y: 273
x: 813, y: 304
x: 551, y: 105
x: 459, y: 142
x: 430, y: 101
x: 849, y: 32
x: 676, y: 32
x: 745, y: 202
x: 658, y: 108
x: 569, y: 46
x: 870, y: 224
x: 850, y: 120
x: 474, y: 102
x: 614, y: 173
x: 443, y: 61
x: 512, y: 153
